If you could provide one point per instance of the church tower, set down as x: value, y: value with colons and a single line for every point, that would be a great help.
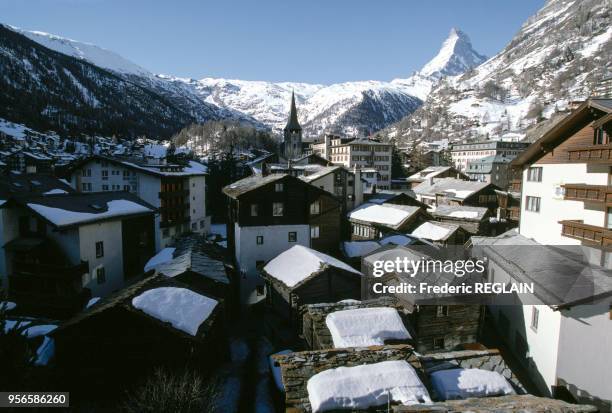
x: 292, y: 134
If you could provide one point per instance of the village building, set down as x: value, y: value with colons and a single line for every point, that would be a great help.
x: 302, y: 276
x: 559, y: 332
x: 199, y: 264
x: 494, y: 169
x: 474, y: 220
x: 439, y: 321
x: 178, y: 191
x: 344, y: 184
x: 270, y: 214
x: 566, y: 179
x: 61, y: 248
x: 157, y: 322
x: 441, y: 233
x: 395, y: 378
x: 452, y: 191
x: 434, y: 172
x: 464, y: 153
x: 371, y: 221
x: 29, y: 162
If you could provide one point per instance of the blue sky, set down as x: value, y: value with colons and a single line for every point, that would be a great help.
x: 313, y: 41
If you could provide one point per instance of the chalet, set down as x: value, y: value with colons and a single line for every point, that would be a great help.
x: 352, y: 251
x: 178, y: 191
x: 441, y: 233
x: 439, y: 321
x: 155, y: 322
x: 452, y: 191
x: 301, y: 276
x: 63, y: 247
x: 395, y: 198
x: 344, y: 184
x: 474, y: 220
x: 29, y: 162
x: 370, y: 220
x: 559, y: 332
x: 434, y: 172
x: 270, y: 214
x: 398, y: 379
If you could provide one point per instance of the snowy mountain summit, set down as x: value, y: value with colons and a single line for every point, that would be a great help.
x: 454, y: 58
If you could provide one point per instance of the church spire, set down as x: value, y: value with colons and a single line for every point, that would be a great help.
x: 292, y: 123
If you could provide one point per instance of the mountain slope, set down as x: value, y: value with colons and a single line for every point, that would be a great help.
x: 557, y: 57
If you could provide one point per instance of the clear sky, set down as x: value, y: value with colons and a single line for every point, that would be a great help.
x: 317, y: 41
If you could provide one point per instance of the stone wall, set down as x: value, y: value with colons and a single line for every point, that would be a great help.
x: 297, y: 368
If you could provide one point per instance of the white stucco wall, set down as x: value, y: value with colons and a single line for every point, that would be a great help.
x: 108, y: 232
x: 275, y: 242
x: 544, y: 226
x: 585, y: 343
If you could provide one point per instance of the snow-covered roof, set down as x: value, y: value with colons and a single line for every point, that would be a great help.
x: 155, y: 151
x: 364, y: 327
x: 55, y: 191
x: 321, y: 172
x: 450, y: 187
x: 161, y: 257
x: 238, y: 188
x: 186, y: 310
x: 429, y: 172
x: 299, y: 263
x: 462, y: 212
x: 386, y: 214
x: 434, y: 231
x: 465, y: 383
x: 66, y: 215
x: 365, y: 386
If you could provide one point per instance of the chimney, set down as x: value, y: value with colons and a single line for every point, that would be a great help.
x: 357, y: 187
x: 431, y: 181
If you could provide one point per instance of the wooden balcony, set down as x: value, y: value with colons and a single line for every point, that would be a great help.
x: 592, y: 193
x: 514, y: 213
x: 515, y: 185
x: 594, y: 154
x: 590, y: 234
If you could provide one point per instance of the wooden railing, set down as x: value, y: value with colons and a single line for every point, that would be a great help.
x: 514, y: 213
x: 584, y: 192
x: 601, y: 154
x: 588, y: 233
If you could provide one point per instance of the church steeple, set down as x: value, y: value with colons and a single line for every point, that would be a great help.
x: 292, y: 134
x: 292, y: 123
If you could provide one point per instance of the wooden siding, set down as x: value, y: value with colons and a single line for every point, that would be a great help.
x: 582, y: 138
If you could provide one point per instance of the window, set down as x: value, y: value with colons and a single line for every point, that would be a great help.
x: 86, y: 186
x: 202, y: 224
x: 105, y: 187
x: 534, y: 174
x: 535, y: 314
x: 438, y: 343
x: 315, y: 208
x: 99, y: 249
x: 104, y: 174
x: 254, y: 210
x: 599, y: 136
x: 126, y: 188
x: 194, y: 226
x: 278, y: 187
x: 100, y: 275
x: 314, y: 232
x: 442, y: 311
x: 292, y: 237
x: 532, y: 204
x: 277, y: 209
x: 259, y: 240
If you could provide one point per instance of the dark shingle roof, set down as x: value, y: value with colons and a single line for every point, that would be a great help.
x: 14, y: 184
x: 245, y: 185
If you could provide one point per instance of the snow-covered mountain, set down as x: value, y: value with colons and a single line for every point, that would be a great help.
x: 557, y: 57
x: 348, y: 108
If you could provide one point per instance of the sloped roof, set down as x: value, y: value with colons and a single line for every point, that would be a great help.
x: 460, y: 212
x: 31, y: 184
x: 389, y: 215
x: 429, y: 172
x: 451, y: 187
x: 241, y: 187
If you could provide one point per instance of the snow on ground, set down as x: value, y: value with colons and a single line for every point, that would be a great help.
x: 276, y: 370
x: 465, y: 383
x: 366, y: 386
x: 183, y: 308
x: 596, y: 42
x: 61, y: 217
x: 359, y: 248
x: 363, y: 327
x: 431, y: 231
x: 299, y: 262
x: 162, y: 257
x: 385, y: 214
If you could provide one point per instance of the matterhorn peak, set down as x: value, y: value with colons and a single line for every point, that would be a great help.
x: 454, y: 58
